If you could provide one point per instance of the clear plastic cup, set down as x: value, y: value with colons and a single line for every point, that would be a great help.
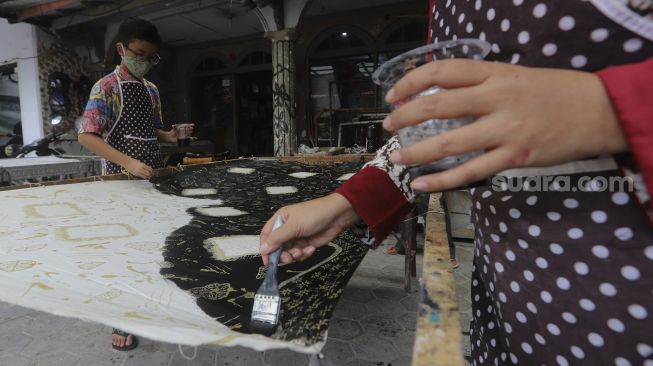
x: 184, y: 131
x: 390, y: 72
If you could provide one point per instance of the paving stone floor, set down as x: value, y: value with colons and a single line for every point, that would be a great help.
x: 373, y: 325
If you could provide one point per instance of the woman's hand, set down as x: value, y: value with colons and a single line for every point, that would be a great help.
x: 308, y: 225
x: 524, y: 117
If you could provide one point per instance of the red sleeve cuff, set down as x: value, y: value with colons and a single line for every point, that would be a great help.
x: 376, y: 199
x: 629, y: 88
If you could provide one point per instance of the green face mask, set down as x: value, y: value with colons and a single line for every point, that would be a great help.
x: 137, y: 67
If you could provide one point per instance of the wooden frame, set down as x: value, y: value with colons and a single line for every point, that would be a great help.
x: 438, y: 340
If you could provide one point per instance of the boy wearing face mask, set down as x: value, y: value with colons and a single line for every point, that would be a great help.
x: 125, y: 108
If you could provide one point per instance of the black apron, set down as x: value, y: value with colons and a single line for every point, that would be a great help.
x: 133, y: 133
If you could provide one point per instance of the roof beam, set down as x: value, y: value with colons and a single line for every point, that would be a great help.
x: 42, y: 9
x: 109, y: 12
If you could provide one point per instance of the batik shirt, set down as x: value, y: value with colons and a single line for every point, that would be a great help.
x: 104, y: 103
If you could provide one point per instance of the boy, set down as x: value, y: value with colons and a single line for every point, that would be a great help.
x: 126, y: 109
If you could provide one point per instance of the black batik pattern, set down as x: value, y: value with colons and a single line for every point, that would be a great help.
x: 225, y: 289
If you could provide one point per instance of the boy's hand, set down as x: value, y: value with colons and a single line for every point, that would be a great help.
x: 308, y: 225
x: 168, y: 136
x: 139, y: 169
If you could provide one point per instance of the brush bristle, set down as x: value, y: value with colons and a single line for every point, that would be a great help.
x: 263, y: 328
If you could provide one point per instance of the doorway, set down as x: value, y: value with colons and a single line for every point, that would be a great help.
x: 212, y: 111
x: 254, y: 113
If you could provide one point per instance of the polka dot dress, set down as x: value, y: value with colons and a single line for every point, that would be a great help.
x: 134, y: 133
x: 569, y: 34
x: 559, y: 278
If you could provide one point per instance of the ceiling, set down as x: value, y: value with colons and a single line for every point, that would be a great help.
x: 180, y: 22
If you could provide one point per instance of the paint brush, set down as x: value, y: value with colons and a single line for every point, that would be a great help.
x: 267, y: 302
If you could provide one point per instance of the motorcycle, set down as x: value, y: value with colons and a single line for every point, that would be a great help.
x: 15, y: 149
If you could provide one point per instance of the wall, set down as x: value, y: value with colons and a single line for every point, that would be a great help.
x: 23, y: 40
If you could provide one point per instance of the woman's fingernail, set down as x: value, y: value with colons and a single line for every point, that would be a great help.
x: 395, y: 157
x: 390, y: 95
x: 419, y: 186
x: 386, y: 122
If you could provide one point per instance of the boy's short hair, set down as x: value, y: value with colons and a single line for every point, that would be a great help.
x: 138, y: 29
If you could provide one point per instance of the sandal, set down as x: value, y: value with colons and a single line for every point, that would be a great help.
x: 124, y: 334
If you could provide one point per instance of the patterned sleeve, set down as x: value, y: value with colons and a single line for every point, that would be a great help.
x: 99, y: 113
x: 380, y: 194
x: 156, y: 104
x: 397, y: 173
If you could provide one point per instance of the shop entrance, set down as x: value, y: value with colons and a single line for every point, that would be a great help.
x: 254, y: 113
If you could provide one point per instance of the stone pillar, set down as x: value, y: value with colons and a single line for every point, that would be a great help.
x: 283, y: 91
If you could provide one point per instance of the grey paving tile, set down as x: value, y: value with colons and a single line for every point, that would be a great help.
x: 467, y: 347
x: 15, y: 326
x: 338, y: 352
x: 465, y: 319
x: 363, y: 282
x: 358, y: 294
x: 410, y: 302
x: 83, y: 328
x: 359, y: 362
x: 55, y: 358
x: 13, y: 342
x: 404, y: 342
x: 46, y: 343
x: 381, y: 326
x: 40, y: 323
x: 394, y: 268
x: 9, y: 311
x: 344, y: 329
x: 148, y: 353
x: 391, y: 280
x: 367, y: 273
x: 91, y: 354
x: 285, y: 358
x: 204, y: 357
x: 373, y: 348
x: 408, y: 320
x: 402, y: 361
x: 238, y: 356
x: 389, y: 308
x: 14, y: 359
x: 349, y: 309
x: 389, y: 293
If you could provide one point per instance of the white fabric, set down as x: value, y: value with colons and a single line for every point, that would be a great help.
x: 94, y: 251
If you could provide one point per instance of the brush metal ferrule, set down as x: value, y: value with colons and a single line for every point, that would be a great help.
x: 266, y: 309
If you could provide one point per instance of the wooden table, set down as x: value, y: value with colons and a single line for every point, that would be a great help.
x: 438, y: 340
